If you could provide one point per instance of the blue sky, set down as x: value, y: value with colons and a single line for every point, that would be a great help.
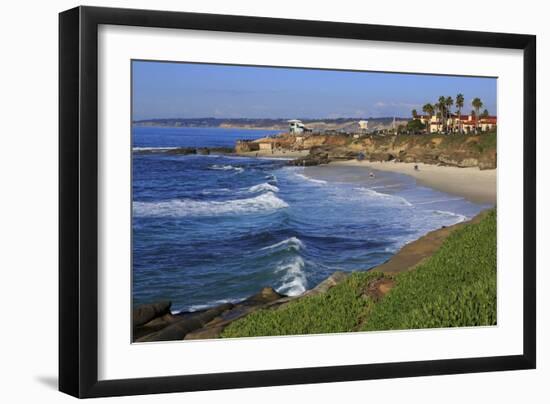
x: 186, y: 90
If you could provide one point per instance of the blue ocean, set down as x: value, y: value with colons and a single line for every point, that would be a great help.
x: 209, y: 229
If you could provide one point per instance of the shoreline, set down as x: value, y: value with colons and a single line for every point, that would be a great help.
x: 471, y: 183
x: 156, y: 322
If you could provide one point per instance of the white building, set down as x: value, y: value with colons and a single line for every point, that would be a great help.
x: 363, y: 125
x: 462, y: 123
x: 296, y: 126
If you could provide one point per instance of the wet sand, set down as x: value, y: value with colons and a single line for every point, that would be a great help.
x: 478, y: 186
x: 413, y: 253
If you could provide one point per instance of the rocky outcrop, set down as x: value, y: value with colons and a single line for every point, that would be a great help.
x: 156, y: 323
x: 178, y: 328
x: 245, y: 146
x: 187, y: 150
x: 327, y: 284
x: 452, y: 150
x: 147, y: 312
x: 182, y: 150
x: 323, y: 155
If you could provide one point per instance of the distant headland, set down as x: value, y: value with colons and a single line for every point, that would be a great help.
x: 318, y: 124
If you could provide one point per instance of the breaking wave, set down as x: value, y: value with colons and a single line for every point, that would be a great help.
x: 386, y: 197
x: 458, y: 216
x: 439, y: 201
x: 291, y: 243
x: 294, y: 281
x: 188, y: 207
x: 226, y: 167
x: 263, y: 187
x: 310, y: 179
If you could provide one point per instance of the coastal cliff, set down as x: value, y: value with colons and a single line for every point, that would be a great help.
x: 451, y: 150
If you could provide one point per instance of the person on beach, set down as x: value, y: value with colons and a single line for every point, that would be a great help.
x: 371, y: 175
x: 416, y: 167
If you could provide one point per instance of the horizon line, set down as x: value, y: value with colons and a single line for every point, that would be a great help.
x: 276, y: 119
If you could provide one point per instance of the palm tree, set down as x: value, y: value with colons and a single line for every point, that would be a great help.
x: 441, y: 108
x: 448, y: 104
x: 428, y: 109
x: 414, y: 114
x: 459, y: 102
x: 477, y: 104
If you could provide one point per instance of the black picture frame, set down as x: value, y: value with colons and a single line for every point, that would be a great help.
x: 78, y: 201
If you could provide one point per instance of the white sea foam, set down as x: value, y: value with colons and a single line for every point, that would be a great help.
x: 387, y: 186
x: 293, y: 243
x: 294, y: 280
x: 458, y: 216
x: 379, y: 195
x: 214, y: 303
x: 226, y: 167
x: 305, y: 177
x: 188, y: 207
x: 153, y: 148
x: 439, y: 200
x: 215, y: 191
x: 263, y: 187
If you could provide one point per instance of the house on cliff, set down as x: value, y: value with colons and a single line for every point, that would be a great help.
x: 296, y: 126
x: 459, y: 124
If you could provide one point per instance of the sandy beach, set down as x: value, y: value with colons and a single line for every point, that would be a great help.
x: 476, y: 185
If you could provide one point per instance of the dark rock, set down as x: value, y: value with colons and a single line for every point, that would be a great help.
x: 210, y: 323
x: 203, y: 150
x: 179, y: 329
x: 205, y: 333
x: 309, y: 161
x: 154, y: 325
x: 147, y: 312
x: 182, y: 150
x: 221, y: 150
x: 244, y: 146
x: 328, y: 283
x: 266, y: 295
x: 381, y: 156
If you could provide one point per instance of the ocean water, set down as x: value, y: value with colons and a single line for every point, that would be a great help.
x: 212, y: 229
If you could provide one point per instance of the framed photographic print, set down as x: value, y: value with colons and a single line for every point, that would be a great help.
x: 252, y: 201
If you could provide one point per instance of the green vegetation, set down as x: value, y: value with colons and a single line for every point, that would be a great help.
x: 488, y: 141
x: 455, y: 287
x: 337, y: 310
x: 464, y: 142
x: 415, y: 126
